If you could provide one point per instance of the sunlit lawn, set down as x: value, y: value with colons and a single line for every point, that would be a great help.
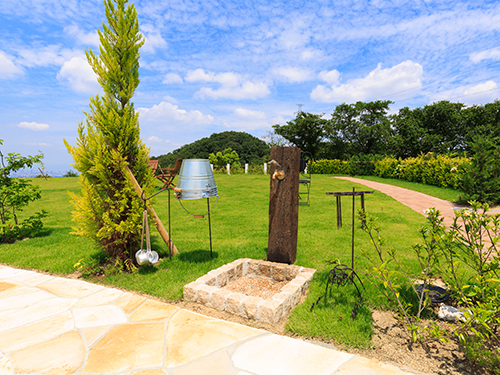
x: 239, y: 230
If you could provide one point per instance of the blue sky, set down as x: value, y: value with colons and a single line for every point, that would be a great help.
x: 211, y: 66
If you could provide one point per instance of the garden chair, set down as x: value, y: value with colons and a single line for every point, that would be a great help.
x: 305, y: 179
x: 165, y: 175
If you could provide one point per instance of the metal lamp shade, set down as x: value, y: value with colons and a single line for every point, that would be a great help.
x: 196, y: 180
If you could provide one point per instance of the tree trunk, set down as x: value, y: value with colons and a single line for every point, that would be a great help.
x: 284, y: 205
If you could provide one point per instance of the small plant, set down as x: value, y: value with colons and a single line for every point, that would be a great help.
x: 410, y: 315
x: 15, y: 194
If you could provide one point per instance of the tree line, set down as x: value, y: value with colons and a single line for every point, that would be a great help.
x: 248, y: 148
x: 367, y: 128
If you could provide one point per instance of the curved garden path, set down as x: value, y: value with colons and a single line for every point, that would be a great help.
x: 413, y: 199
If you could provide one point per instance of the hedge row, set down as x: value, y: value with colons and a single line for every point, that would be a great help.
x: 438, y: 170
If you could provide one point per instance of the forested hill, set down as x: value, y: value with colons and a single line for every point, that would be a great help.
x: 249, y: 148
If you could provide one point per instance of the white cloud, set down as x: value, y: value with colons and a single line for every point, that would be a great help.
x: 225, y: 79
x: 331, y: 77
x: 168, y: 112
x: 293, y: 74
x: 249, y: 114
x: 233, y: 86
x: 33, y: 126
x: 7, y: 68
x: 491, y: 54
x: 154, y: 139
x: 172, y: 78
x: 481, y: 93
x: 248, y: 90
x: 45, y: 56
x: 80, y: 76
x: 153, y: 41
x: 91, y: 38
x: 378, y: 82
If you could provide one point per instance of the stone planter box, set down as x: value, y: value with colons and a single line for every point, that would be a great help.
x: 208, y: 291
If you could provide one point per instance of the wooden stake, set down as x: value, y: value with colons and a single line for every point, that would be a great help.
x: 284, y: 205
x: 159, y: 224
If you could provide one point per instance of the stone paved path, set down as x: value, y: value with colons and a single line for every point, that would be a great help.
x: 54, y: 325
x: 413, y: 199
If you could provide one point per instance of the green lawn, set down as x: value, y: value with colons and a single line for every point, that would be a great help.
x: 239, y: 229
x: 448, y: 194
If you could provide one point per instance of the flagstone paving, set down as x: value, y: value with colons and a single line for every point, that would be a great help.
x: 54, y: 325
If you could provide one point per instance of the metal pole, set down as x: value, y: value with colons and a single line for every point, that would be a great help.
x: 209, y: 227
x: 169, y: 231
x: 353, y: 208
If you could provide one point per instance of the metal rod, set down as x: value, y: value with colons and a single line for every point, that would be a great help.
x: 169, y: 230
x: 209, y: 227
x: 353, y: 208
x: 339, y: 213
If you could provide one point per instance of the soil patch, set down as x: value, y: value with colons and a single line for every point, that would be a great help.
x: 256, y: 286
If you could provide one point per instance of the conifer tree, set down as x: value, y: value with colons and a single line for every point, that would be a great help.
x: 108, y: 209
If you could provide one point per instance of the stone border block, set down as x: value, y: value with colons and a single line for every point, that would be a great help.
x: 208, y: 290
x: 234, y: 304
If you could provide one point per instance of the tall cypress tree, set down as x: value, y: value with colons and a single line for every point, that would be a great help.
x: 108, y: 209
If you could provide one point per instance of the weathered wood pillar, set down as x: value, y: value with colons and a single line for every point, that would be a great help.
x: 284, y: 205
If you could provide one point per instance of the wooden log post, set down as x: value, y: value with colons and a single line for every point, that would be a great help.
x: 284, y: 204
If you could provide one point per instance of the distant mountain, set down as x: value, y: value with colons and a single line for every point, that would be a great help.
x: 250, y: 149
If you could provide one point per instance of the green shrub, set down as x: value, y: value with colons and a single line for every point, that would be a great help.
x: 330, y: 167
x: 387, y: 168
x: 481, y: 180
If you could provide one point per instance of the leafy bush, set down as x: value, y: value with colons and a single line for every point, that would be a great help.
x: 362, y: 165
x: 466, y: 256
x: 481, y: 179
x: 387, y: 168
x: 15, y: 194
x: 330, y: 167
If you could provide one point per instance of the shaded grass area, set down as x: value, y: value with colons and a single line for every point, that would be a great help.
x: 239, y: 230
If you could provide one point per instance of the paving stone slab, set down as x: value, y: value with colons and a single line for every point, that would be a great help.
x: 127, y: 347
x: 275, y: 355
x: 93, y: 316
x: 191, y: 336
x: 36, y: 333
x: 60, y: 356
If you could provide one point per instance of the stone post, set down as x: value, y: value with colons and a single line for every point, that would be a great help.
x: 246, y: 168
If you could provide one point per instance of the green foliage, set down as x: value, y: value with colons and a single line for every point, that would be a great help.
x: 431, y: 169
x: 330, y: 167
x: 361, y: 128
x: 466, y: 256
x: 71, y: 174
x: 481, y: 181
x: 15, y: 195
x: 482, y: 353
x: 108, y: 210
x: 306, y: 132
x: 470, y: 265
x: 221, y: 159
x: 249, y: 148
